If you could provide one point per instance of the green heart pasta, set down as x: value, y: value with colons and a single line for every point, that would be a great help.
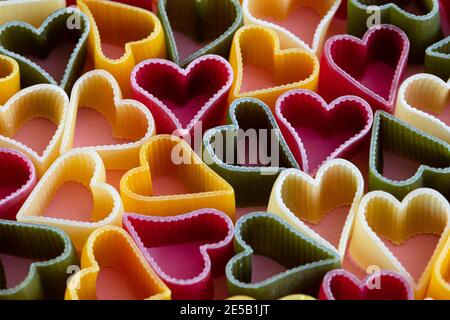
x: 19, y: 40
x: 211, y: 23
x: 264, y: 234
x: 250, y: 169
x: 421, y: 23
x: 396, y: 136
x: 437, y: 59
x: 52, y: 251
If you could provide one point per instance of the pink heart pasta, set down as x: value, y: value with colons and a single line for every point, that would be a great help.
x: 316, y: 131
x: 180, y: 99
x: 371, y: 67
